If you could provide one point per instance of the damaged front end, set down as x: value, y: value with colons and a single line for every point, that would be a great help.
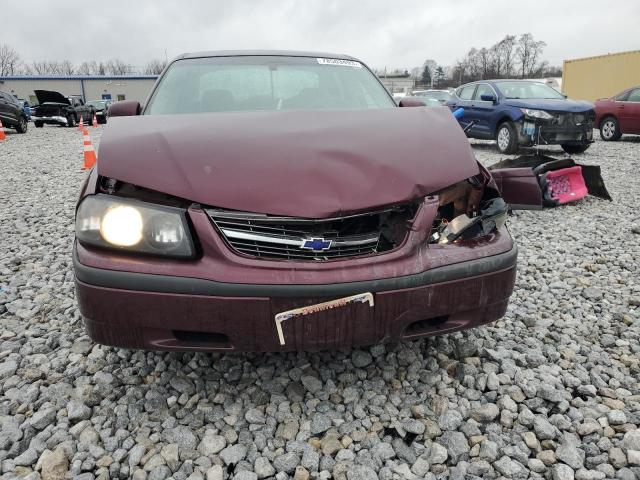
x: 538, y: 181
x: 468, y: 209
x: 541, y: 127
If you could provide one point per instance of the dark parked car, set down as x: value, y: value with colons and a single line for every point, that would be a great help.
x: 441, y: 96
x: 54, y: 108
x: 619, y: 114
x: 11, y: 113
x: 271, y: 201
x: 524, y: 113
x: 101, y: 108
x: 427, y: 102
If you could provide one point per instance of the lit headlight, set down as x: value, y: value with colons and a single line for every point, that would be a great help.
x: 541, y: 114
x: 125, y: 224
x: 122, y: 226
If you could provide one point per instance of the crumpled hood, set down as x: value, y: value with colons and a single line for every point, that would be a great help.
x: 48, y: 96
x: 559, y: 105
x: 313, y: 164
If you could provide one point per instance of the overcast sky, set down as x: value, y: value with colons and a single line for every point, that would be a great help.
x: 381, y: 33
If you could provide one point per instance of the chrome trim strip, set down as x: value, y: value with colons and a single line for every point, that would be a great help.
x: 223, y: 215
x: 297, y: 241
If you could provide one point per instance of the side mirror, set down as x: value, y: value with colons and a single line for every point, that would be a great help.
x: 488, y: 98
x: 125, y: 108
x: 409, y: 102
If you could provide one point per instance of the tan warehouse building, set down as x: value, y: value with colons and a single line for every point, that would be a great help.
x: 602, y: 76
x: 89, y: 87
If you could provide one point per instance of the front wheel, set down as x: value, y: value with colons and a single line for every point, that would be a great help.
x: 22, y: 125
x: 609, y: 129
x: 71, y: 121
x: 507, y: 138
x: 575, y: 148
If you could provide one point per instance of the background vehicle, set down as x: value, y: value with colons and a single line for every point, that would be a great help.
x: 619, y: 114
x: 442, y: 96
x: 26, y: 108
x: 524, y: 113
x: 11, y: 113
x: 428, y: 102
x: 101, y: 108
x: 54, y: 108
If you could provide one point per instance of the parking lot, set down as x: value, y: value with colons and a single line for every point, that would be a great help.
x: 550, y: 391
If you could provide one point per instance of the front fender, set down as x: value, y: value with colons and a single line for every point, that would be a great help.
x: 514, y: 114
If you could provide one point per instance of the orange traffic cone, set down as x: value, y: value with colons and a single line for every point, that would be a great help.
x: 2, y: 135
x: 95, y: 121
x: 81, y: 124
x: 89, y: 152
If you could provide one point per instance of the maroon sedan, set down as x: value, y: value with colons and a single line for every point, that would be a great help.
x: 272, y: 201
x: 619, y: 114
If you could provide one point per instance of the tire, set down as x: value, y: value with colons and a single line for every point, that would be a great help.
x: 38, y: 124
x: 609, y: 129
x: 507, y: 138
x: 71, y: 121
x: 575, y: 148
x: 21, y: 127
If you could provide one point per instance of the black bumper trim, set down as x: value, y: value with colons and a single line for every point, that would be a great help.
x: 196, y: 286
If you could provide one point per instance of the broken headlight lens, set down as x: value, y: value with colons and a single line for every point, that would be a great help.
x: 131, y: 225
x: 532, y: 113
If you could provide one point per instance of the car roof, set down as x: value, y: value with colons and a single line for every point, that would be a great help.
x: 494, y: 80
x: 266, y: 53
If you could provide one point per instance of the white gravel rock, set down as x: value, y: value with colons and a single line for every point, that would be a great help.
x: 549, y: 391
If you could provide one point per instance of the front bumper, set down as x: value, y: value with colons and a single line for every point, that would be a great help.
x: 165, y: 312
x: 542, y: 132
x: 54, y: 120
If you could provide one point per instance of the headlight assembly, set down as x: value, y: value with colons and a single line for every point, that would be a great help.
x: 541, y: 114
x: 126, y: 224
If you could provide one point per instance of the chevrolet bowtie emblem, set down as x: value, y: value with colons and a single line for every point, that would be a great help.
x: 316, y: 244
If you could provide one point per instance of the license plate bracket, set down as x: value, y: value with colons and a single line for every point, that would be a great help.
x: 366, y: 297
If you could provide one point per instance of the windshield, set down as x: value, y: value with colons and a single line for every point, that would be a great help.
x: 97, y: 104
x: 528, y: 90
x: 246, y: 83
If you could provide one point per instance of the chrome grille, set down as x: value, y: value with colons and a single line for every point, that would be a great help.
x: 293, y: 238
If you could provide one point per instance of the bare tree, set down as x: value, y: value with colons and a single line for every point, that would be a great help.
x: 552, y: 71
x: 116, y: 66
x: 529, y: 53
x: 155, y: 66
x: 91, y: 68
x: 41, y: 68
x: 66, y: 67
x: 9, y: 60
x: 502, y: 57
x: 85, y: 68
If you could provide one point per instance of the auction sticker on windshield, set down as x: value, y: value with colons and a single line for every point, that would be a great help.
x: 366, y: 297
x: 339, y: 62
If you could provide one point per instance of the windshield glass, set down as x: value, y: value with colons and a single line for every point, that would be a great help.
x: 528, y: 90
x: 246, y: 83
x: 96, y: 104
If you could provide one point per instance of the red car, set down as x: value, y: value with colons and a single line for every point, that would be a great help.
x: 619, y: 114
x: 271, y: 201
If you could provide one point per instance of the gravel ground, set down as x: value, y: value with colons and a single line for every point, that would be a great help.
x: 550, y: 391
